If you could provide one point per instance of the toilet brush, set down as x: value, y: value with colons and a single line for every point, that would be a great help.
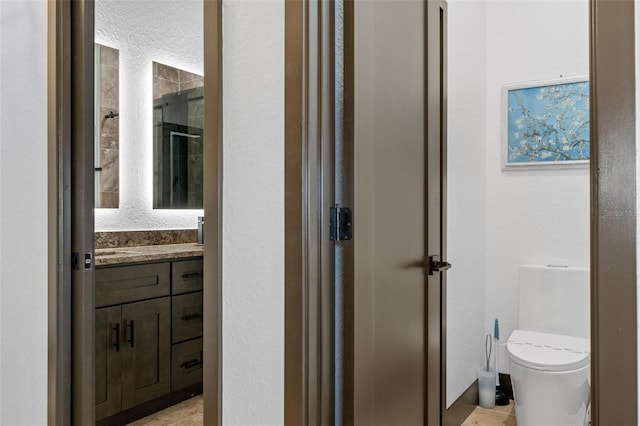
x: 496, y: 337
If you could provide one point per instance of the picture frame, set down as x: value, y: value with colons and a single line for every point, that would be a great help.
x: 545, y: 124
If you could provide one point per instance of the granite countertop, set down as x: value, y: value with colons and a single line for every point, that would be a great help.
x: 117, y: 255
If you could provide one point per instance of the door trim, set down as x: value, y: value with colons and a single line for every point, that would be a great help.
x: 59, y: 209
x: 309, y: 193
x: 212, y: 192
x: 614, y: 357
x: 71, y: 203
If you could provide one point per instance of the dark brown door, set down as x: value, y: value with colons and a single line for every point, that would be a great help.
x: 399, y: 155
x: 146, y: 360
x: 108, y: 367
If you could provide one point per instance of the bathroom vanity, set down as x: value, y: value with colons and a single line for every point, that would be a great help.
x: 148, y: 329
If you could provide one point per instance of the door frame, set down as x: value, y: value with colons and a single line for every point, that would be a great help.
x: 70, y: 385
x: 613, y: 214
x: 309, y: 194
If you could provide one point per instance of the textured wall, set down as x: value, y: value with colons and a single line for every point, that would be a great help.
x: 537, y: 217
x: 165, y: 31
x: 23, y: 212
x: 466, y: 193
x: 253, y: 243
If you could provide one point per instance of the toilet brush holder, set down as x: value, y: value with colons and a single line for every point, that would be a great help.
x: 487, y: 387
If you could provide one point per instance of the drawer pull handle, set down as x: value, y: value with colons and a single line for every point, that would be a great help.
x: 191, y: 275
x: 131, y: 338
x: 190, y: 317
x: 188, y: 364
x: 117, y: 343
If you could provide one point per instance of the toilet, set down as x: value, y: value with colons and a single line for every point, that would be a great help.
x: 549, y: 353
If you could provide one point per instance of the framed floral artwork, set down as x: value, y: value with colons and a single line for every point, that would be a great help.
x: 546, y: 124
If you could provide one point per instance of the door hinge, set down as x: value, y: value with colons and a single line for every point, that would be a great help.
x: 340, y: 223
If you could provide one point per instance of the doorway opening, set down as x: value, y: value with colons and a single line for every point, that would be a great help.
x: 138, y: 289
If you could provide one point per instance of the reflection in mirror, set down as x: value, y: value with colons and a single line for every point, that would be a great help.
x: 107, y: 127
x: 177, y: 138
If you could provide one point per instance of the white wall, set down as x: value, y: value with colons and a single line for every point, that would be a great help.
x: 253, y: 242
x: 166, y: 31
x: 538, y: 217
x: 466, y: 193
x: 23, y: 212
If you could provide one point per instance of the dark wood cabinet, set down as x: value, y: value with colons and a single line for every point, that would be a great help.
x: 124, y: 284
x: 148, y: 344
x: 146, y: 355
x: 108, y: 361
x: 186, y: 364
x: 186, y: 316
x: 133, y: 355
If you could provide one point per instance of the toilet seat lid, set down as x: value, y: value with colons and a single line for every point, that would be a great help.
x: 550, y: 352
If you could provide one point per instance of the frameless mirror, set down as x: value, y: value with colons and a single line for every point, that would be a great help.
x: 107, y: 127
x: 177, y: 138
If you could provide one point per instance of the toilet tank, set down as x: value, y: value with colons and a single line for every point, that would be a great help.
x: 555, y: 300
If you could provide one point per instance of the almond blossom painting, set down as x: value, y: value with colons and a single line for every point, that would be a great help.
x: 547, y: 124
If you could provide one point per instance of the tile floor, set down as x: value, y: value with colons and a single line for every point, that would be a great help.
x: 498, y: 416
x: 187, y: 413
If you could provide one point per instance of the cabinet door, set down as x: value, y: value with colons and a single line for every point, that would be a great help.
x: 146, y: 352
x: 108, y: 367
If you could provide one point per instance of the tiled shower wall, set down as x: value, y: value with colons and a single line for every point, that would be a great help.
x: 109, y: 127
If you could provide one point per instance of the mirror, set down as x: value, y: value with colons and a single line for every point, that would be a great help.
x: 107, y: 127
x: 177, y: 138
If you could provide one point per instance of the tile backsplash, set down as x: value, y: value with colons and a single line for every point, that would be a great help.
x: 113, y: 239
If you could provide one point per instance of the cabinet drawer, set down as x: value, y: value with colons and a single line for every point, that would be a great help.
x: 186, y: 316
x: 123, y: 284
x: 186, y: 276
x: 186, y: 364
